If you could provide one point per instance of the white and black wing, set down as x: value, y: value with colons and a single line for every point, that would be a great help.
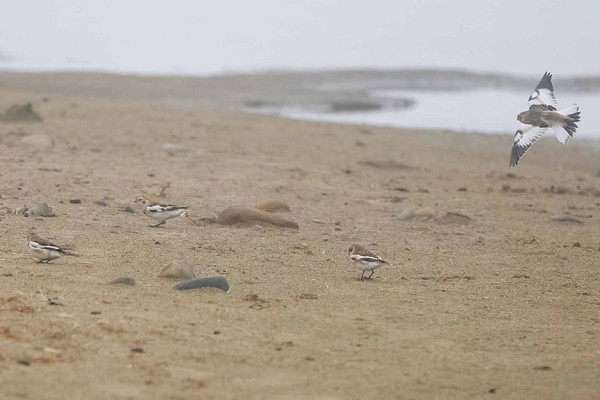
x: 525, y: 136
x: 161, y: 208
x: 366, y: 258
x: 544, y: 93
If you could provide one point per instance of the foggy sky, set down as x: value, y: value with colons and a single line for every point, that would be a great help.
x: 200, y: 37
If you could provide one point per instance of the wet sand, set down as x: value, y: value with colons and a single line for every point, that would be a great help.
x: 489, y: 297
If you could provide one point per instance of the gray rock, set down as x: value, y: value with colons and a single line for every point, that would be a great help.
x: 127, y: 209
x: 39, y: 210
x: 567, y: 218
x: 123, y: 280
x: 219, y: 282
x: 406, y: 214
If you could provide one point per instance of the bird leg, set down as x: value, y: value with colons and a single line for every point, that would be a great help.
x: 372, y: 272
x: 159, y: 224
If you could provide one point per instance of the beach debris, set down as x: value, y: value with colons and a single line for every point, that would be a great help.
x: 38, y: 141
x: 567, y: 218
x: 233, y: 215
x: 162, y: 193
x: 387, y: 165
x: 173, y: 146
x: 218, y: 282
x: 258, y: 303
x: 21, y: 113
x: 123, y: 280
x: 178, y: 269
x: 39, y: 210
x: 272, y: 206
x: 456, y: 218
x: 308, y: 296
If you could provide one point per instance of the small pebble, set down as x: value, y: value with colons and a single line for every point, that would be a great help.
x: 137, y: 350
x: 123, y: 280
x: 75, y: 201
x: 101, y: 203
x: 406, y: 214
x: 127, y: 209
x: 567, y: 218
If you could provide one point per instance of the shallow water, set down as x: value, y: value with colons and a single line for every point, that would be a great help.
x: 483, y: 110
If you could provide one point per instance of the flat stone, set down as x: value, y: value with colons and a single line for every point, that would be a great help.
x: 218, y: 282
x: 123, y: 280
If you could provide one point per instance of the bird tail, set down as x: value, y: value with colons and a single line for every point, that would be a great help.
x: 69, y: 252
x: 567, y: 127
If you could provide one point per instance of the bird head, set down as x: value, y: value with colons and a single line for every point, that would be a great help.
x: 142, y: 200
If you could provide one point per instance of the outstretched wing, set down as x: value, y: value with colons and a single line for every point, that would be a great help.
x: 525, y: 136
x: 544, y: 93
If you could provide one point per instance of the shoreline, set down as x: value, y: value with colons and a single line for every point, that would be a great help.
x: 490, y: 273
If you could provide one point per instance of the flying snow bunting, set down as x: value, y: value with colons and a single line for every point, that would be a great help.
x: 541, y: 117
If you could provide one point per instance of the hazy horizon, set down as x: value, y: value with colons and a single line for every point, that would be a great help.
x: 200, y: 38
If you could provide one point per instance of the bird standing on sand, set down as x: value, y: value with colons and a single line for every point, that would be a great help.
x: 365, y: 260
x: 541, y: 117
x: 160, y: 212
x: 45, y: 251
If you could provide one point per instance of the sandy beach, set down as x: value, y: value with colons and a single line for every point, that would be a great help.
x: 489, y: 292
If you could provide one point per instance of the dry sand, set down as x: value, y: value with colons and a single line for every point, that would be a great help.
x: 504, y: 303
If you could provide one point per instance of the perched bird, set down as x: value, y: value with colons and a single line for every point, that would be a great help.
x: 160, y: 212
x: 365, y: 260
x: 44, y: 251
x: 541, y: 117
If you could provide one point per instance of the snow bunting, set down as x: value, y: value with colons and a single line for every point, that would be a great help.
x: 160, y: 212
x: 541, y: 117
x: 365, y: 260
x: 44, y: 251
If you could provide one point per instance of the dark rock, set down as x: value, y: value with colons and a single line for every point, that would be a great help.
x: 218, y: 282
x: 127, y: 209
x: 123, y: 280
x: 21, y: 113
x: 567, y: 218
x: 387, y: 165
x: 75, y: 201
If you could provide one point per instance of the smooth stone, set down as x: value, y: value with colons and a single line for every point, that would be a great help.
x: 178, y: 270
x: 406, y: 214
x: 456, y: 218
x: 123, y: 280
x: 38, y: 140
x: 272, y: 206
x: 218, y: 282
x: 425, y: 212
x: 127, y: 209
x: 39, y: 210
x: 567, y: 218
x: 240, y: 214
